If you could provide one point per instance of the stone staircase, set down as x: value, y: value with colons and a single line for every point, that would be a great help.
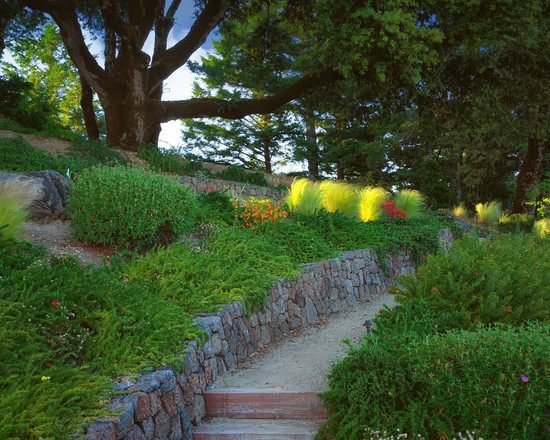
x: 260, y: 414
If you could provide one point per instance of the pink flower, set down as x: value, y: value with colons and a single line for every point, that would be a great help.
x: 524, y: 378
x: 56, y: 303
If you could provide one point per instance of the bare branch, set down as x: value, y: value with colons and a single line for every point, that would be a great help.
x: 215, y: 107
x: 177, y: 55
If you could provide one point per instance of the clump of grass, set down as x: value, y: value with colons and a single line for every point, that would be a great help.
x: 460, y: 211
x: 370, y: 203
x: 338, y: 197
x: 303, y: 197
x: 411, y: 201
x: 488, y: 213
x: 170, y: 161
x: 541, y: 228
x: 12, y: 209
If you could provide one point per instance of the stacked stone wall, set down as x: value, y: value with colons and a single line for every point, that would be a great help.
x: 236, y: 189
x: 166, y: 404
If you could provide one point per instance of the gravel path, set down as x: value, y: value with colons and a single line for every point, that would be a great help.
x: 302, y: 362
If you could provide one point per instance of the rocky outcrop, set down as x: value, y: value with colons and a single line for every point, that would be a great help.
x: 44, y: 193
x: 166, y: 405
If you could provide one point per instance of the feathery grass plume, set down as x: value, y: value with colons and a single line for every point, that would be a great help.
x: 460, y: 211
x: 370, y: 203
x: 411, y: 201
x: 304, y: 197
x: 541, y: 228
x: 339, y: 196
x: 488, y: 213
x: 13, y: 199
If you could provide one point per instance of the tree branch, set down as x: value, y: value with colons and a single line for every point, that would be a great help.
x: 215, y: 107
x: 177, y: 55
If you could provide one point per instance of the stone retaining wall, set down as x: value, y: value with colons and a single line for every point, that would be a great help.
x: 236, y: 189
x: 166, y: 405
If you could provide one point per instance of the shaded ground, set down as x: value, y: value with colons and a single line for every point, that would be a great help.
x: 55, y: 236
x: 302, y: 362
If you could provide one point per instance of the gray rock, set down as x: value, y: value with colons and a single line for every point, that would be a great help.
x: 311, y: 312
x: 46, y: 193
x: 186, y: 425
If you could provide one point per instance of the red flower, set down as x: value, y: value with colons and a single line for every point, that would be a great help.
x: 391, y: 210
x: 56, y: 303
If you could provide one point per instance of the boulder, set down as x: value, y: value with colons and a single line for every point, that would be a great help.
x: 45, y: 192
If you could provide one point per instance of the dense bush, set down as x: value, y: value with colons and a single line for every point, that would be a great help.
x: 515, y: 223
x: 96, y: 152
x: 491, y: 381
x: 235, y: 265
x: 129, y: 207
x: 169, y: 161
x: 237, y: 174
x: 65, y: 330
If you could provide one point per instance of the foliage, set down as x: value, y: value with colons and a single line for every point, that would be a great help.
x: 488, y: 213
x: 302, y: 244
x: 460, y: 211
x: 515, y: 223
x: 170, y: 161
x: 410, y: 201
x: 345, y: 233
x: 541, y: 228
x: 216, y: 207
x: 129, y: 207
x: 236, y: 265
x: 96, y: 152
x: 253, y: 212
x: 238, y: 174
x: 303, y: 197
x: 500, y: 280
x: 65, y: 330
x: 492, y: 381
x: 338, y: 196
x: 12, y: 211
x: 392, y: 211
x: 370, y: 203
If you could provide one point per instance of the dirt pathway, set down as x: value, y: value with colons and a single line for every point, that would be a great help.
x: 302, y: 362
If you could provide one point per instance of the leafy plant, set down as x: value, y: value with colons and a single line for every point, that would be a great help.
x: 12, y: 211
x: 303, y: 197
x: 460, y: 211
x: 338, y: 197
x: 129, y: 207
x: 488, y: 213
x: 370, y: 203
x: 541, y: 228
x: 170, y: 161
x: 253, y: 212
x: 410, y: 201
x: 515, y: 222
x: 96, y: 152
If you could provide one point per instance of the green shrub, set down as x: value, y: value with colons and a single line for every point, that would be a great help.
x: 12, y: 211
x: 488, y: 213
x: 304, y: 197
x: 410, y: 201
x: 302, y: 244
x: 515, y: 223
x: 370, y: 203
x: 233, y: 265
x: 440, y: 385
x: 501, y: 280
x: 129, y: 207
x: 338, y: 197
x: 65, y: 330
x: 237, y: 174
x: 541, y: 228
x: 169, y: 161
x: 215, y: 207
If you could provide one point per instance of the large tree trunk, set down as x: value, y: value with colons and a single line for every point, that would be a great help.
x: 87, y: 105
x: 312, y: 155
x: 530, y: 172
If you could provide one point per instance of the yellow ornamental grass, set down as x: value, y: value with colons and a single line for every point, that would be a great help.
x: 339, y: 197
x: 460, y: 211
x: 13, y: 198
x: 303, y: 197
x: 488, y: 213
x: 541, y: 228
x: 370, y: 203
x: 411, y: 201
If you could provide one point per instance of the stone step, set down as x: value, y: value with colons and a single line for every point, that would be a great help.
x: 266, y: 403
x: 257, y: 429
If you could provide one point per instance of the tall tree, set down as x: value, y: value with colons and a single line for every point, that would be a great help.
x: 129, y: 89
